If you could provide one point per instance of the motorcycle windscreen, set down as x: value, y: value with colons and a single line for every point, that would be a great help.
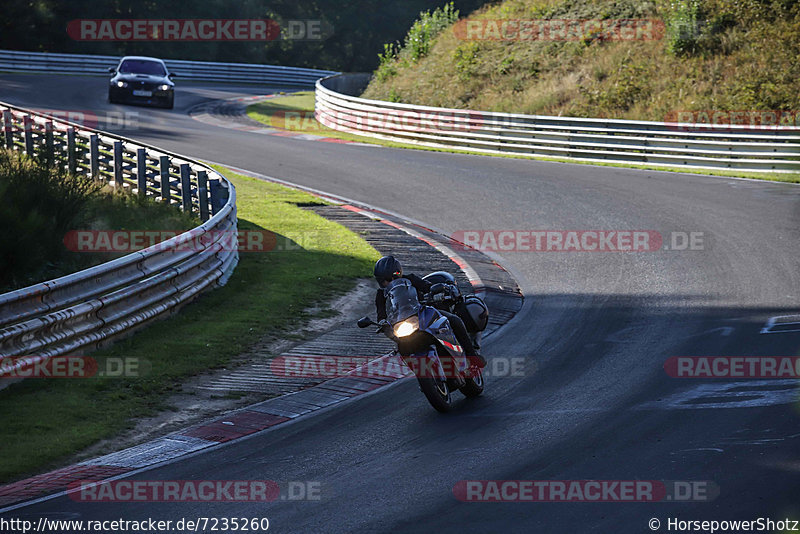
x: 401, y: 300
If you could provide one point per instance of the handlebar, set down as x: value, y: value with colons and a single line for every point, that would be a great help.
x: 382, y: 325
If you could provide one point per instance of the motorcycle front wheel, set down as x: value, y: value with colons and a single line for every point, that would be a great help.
x: 437, y: 392
x: 474, y: 385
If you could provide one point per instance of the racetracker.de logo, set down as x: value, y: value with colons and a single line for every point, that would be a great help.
x: 194, y: 490
x: 126, y: 241
x: 196, y: 30
x: 733, y: 366
x: 401, y: 120
x: 560, y: 30
x: 106, y: 120
x: 585, y: 490
x: 175, y: 491
x: 74, y: 366
x: 322, y: 366
x: 560, y: 240
x: 739, y: 120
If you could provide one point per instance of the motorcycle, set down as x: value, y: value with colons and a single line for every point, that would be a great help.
x: 427, y: 343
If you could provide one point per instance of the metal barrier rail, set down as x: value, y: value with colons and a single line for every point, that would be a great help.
x: 189, y: 70
x: 738, y: 147
x: 84, y: 310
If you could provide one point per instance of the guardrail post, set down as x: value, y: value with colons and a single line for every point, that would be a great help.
x: 8, y: 128
x: 48, y: 143
x: 164, y: 179
x: 94, y: 156
x: 141, y: 172
x: 202, y: 194
x: 118, y: 182
x: 186, y: 187
x: 27, y: 122
x: 71, y: 161
x: 219, y: 195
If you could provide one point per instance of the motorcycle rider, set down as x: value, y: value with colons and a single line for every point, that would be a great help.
x: 388, y: 268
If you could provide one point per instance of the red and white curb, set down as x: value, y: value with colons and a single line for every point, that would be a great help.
x: 242, y: 422
x: 472, y: 276
x: 229, y: 427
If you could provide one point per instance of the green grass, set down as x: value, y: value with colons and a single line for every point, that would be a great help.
x: 304, y: 102
x: 45, y: 422
x: 300, y: 107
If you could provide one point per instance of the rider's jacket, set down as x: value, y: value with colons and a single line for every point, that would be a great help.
x: 422, y: 287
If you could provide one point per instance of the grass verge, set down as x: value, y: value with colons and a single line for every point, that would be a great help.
x: 46, y: 421
x: 276, y: 112
x: 295, y: 112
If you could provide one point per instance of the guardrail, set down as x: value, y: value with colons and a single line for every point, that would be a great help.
x: 82, y: 311
x: 11, y: 60
x: 736, y: 147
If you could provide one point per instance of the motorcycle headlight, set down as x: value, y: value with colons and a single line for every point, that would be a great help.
x: 122, y: 84
x: 407, y: 327
x: 163, y: 87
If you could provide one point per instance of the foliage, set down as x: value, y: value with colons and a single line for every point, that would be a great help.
x: 465, y: 59
x: 631, y: 85
x: 38, y: 205
x: 354, y: 31
x: 429, y: 24
x: 387, y: 62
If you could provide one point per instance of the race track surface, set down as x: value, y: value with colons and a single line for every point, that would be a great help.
x: 594, y: 401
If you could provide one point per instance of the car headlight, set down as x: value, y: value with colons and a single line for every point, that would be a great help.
x: 122, y: 84
x: 164, y: 87
x: 407, y: 327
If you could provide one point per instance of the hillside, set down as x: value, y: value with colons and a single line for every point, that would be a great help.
x: 734, y: 55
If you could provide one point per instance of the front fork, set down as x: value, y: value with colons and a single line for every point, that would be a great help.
x: 429, y: 365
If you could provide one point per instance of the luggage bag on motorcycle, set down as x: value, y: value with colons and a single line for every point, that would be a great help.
x: 474, y: 312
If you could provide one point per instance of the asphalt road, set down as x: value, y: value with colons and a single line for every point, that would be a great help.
x: 595, y: 401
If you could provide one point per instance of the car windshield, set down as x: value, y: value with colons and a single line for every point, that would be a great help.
x: 142, y: 66
x: 401, y: 300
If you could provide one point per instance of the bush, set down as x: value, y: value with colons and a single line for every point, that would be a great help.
x: 421, y: 35
x: 466, y: 60
x: 387, y: 62
x: 418, y: 41
x: 695, y: 27
x: 631, y: 85
x: 684, y: 26
x: 38, y: 205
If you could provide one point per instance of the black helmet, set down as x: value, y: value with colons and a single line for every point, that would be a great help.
x: 388, y: 268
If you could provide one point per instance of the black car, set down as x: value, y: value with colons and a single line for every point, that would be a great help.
x: 141, y: 79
